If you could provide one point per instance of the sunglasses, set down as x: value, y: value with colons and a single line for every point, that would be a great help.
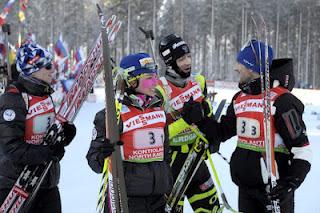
x: 48, y: 66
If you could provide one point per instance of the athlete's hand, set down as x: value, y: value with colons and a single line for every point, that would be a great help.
x: 192, y: 112
x: 284, y: 189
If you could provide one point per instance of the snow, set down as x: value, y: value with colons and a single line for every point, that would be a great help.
x: 79, y: 185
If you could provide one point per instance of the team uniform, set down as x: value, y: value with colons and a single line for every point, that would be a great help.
x: 176, y: 88
x: 245, y: 119
x: 26, y: 113
x: 145, y: 149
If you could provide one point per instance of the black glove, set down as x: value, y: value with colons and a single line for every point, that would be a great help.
x: 105, y: 150
x: 57, y: 151
x: 69, y: 132
x: 284, y: 189
x: 192, y: 112
x: 64, y: 134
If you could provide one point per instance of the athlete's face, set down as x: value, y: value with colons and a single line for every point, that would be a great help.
x: 184, y: 63
x: 45, y: 74
x: 245, y: 75
x: 147, y: 84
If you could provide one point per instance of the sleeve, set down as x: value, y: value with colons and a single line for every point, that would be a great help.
x: 176, y: 127
x: 292, y: 129
x: 227, y: 128
x: 98, y: 135
x: 12, y: 125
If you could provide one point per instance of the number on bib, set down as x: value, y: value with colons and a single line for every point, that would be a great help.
x: 146, y: 138
x: 248, y: 127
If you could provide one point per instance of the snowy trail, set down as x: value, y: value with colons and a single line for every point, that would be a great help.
x: 79, y: 185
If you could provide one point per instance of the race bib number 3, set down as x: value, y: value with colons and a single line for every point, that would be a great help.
x: 248, y: 127
x: 148, y: 138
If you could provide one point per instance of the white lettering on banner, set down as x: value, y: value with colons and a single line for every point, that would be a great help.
x: 251, y: 105
x: 177, y: 102
x: 40, y: 107
x: 144, y: 120
x: 146, y: 153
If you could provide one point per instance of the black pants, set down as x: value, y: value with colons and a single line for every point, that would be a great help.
x: 254, y: 200
x: 46, y: 201
x: 201, y: 192
x: 152, y: 204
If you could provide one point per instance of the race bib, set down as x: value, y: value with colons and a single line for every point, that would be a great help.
x: 248, y: 127
x: 148, y: 138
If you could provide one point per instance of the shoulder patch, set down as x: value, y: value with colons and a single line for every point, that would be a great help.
x: 9, y: 115
x: 94, y: 133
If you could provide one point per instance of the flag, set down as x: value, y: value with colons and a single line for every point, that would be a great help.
x: 78, y: 55
x: 23, y: 7
x: 62, y: 65
x: 67, y: 84
x: 5, y: 11
x: 23, y: 4
x: 60, y: 48
x: 21, y: 16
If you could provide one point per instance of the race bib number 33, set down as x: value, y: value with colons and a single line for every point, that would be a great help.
x: 248, y: 127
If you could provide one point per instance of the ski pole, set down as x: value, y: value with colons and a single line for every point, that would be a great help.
x: 216, y: 177
x: 149, y: 35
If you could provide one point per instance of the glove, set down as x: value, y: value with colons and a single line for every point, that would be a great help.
x: 69, y: 132
x: 57, y: 151
x: 105, y: 150
x: 284, y: 189
x: 63, y: 135
x: 192, y: 112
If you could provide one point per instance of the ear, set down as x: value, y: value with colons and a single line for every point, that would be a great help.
x: 134, y: 84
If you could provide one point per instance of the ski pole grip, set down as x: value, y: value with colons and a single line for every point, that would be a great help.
x: 147, y: 33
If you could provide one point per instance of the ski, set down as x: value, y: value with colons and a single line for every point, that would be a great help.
x: 193, y: 161
x: 266, y: 98
x: 28, y: 183
x: 114, y: 171
x: 219, y: 109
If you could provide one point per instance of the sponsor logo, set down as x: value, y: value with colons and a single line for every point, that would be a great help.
x: 177, y: 102
x: 40, y: 107
x: 146, y: 154
x: 144, y: 120
x: 175, y: 45
x: 252, y: 105
x: 145, y: 61
x: 166, y: 52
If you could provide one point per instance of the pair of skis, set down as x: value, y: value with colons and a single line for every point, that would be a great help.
x: 266, y: 97
x: 112, y: 182
x: 28, y: 183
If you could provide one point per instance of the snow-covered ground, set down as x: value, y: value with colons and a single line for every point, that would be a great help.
x: 79, y: 185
